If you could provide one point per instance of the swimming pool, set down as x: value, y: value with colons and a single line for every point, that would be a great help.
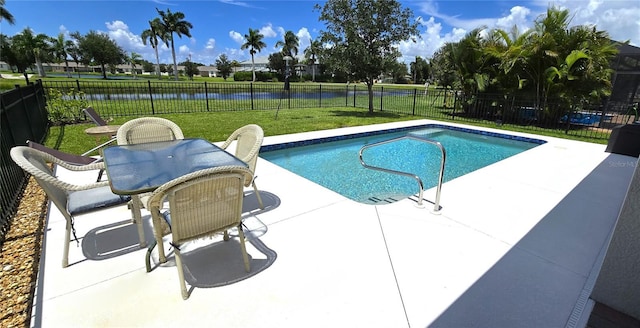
x: 333, y: 162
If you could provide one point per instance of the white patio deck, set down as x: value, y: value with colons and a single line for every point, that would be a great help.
x: 516, y: 245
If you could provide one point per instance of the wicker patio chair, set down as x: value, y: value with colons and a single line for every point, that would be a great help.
x: 248, y: 142
x: 70, y: 199
x: 201, y: 204
x: 69, y: 158
x: 148, y: 129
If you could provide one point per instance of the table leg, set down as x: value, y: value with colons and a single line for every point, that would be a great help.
x: 136, y: 207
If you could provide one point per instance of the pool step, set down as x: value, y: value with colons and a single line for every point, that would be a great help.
x: 376, y: 200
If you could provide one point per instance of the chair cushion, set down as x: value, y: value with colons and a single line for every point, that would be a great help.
x: 84, y: 201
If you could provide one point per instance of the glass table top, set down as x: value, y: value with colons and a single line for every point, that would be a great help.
x: 134, y: 169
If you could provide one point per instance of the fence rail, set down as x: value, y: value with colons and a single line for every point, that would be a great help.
x: 23, y: 117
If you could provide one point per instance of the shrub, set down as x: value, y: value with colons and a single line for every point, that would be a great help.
x: 65, y: 107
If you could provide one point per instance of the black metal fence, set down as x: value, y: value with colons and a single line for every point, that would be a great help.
x: 23, y: 117
x: 140, y: 98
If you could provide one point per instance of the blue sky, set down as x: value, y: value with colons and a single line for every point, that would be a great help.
x: 219, y: 26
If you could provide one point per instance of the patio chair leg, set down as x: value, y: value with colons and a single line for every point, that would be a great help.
x: 245, y: 257
x: 183, y: 285
x: 100, y: 175
x: 67, y: 240
x: 255, y: 189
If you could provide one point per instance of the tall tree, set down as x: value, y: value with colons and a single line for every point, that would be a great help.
x: 362, y: 36
x: 73, y: 51
x: 59, y: 47
x: 311, y: 54
x: 174, y: 23
x: 35, y: 48
x: 420, y: 70
x: 100, y: 49
x: 254, y: 43
x: 5, y: 14
x: 290, y: 44
x: 223, y: 65
x: 154, y: 35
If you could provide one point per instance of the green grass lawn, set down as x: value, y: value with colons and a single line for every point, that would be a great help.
x: 217, y: 126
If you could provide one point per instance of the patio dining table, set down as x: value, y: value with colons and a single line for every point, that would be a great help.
x: 139, y: 168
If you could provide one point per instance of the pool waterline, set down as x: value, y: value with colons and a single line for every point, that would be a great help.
x: 333, y: 161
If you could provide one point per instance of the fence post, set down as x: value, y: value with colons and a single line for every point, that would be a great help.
x: 206, y: 95
x: 354, y: 96
x: 320, y: 97
x: 415, y: 93
x: 346, y: 96
x: 381, y: 93
x: 251, y: 92
x: 78, y: 84
x: 153, y: 110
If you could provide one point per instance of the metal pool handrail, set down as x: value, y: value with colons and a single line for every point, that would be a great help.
x: 436, y: 208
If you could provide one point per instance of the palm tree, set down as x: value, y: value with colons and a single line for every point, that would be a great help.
x: 311, y: 54
x: 174, y: 23
x: 254, y: 44
x: 35, y: 47
x: 133, y: 60
x: 289, y: 45
x: 5, y: 14
x: 59, y: 46
x: 154, y: 34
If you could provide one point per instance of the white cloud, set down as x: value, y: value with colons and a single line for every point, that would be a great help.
x: 210, y: 46
x: 304, y: 39
x: 268, y: 31
x: 237, y: 37
x: 119, y: 32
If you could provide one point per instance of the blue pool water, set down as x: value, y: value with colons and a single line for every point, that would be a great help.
x: 334, y: 163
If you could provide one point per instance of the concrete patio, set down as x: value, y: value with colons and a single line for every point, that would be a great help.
x: 517, y: 244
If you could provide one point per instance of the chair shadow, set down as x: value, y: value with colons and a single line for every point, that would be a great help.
x: 212, y: 262
x: 115, y: 239
x: 221, y: 263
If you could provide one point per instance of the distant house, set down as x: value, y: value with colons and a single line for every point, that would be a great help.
x: 261, y: 64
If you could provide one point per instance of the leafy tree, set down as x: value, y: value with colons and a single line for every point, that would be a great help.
x: 254, y: 43
x: 362, y: 36
x: 278, y: 64
x: 74, y: 52
x: 100, y: 49
x: 13, y: 57
x: 420, y: 70
x: 32, y: 49
x: 190, y: 69
x: 311, y: 54
x: 289, y: 45
x: 148, y: 66
x: 153, y: 36
x: 398, y: 72
x: 174, y: 23
x: 5, y: 14
x: 223, y: 65
x: 59, y: 46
